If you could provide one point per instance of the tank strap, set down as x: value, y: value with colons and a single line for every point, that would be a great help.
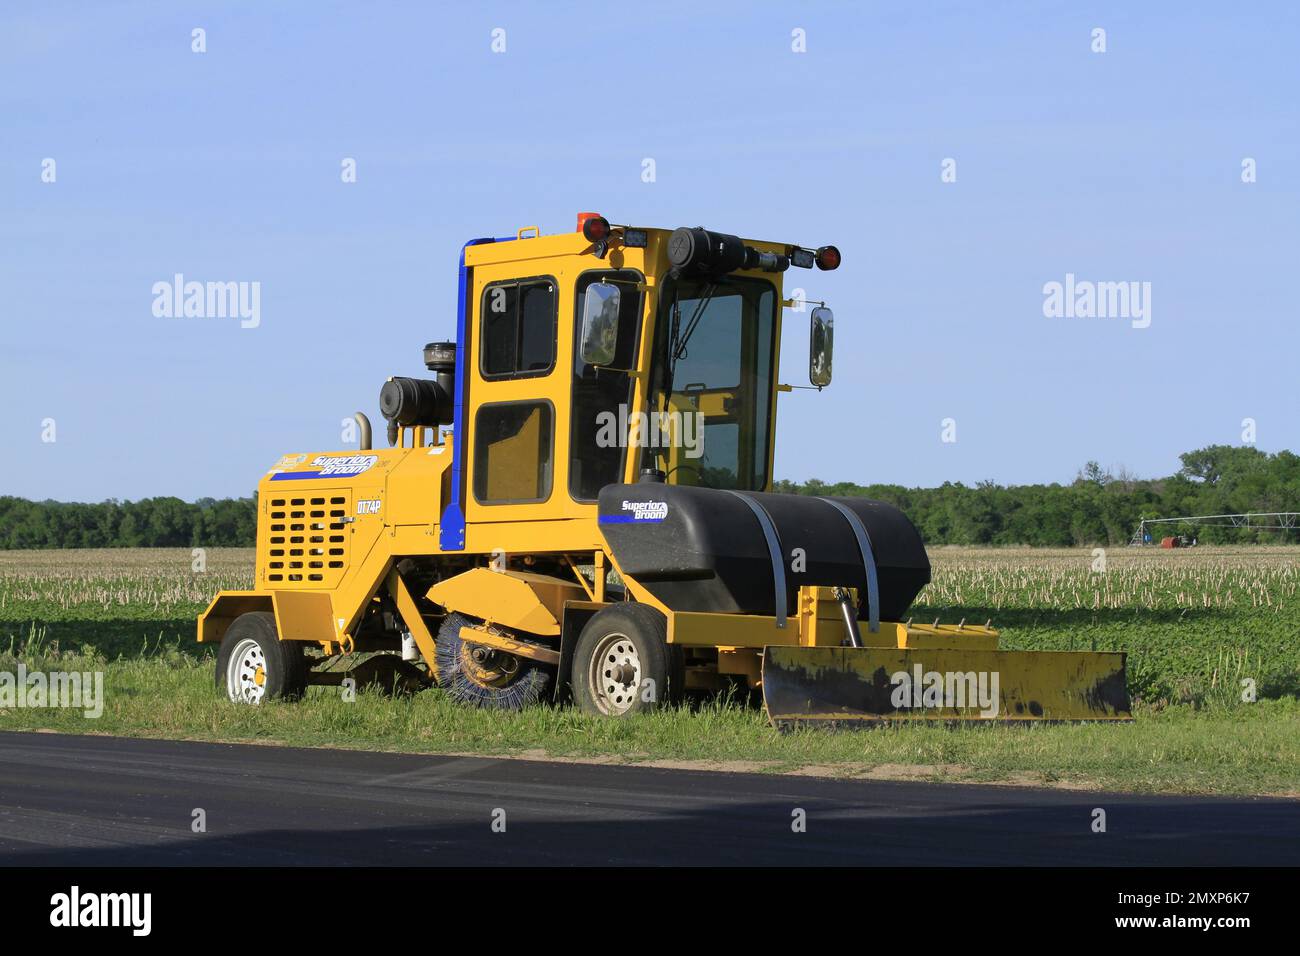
x: 868, y: 562
x: 773, y: 549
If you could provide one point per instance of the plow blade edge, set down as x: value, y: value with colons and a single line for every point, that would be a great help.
x: 856, y: 685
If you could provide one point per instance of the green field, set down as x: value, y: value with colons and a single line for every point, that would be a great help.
x: 1200, y: 627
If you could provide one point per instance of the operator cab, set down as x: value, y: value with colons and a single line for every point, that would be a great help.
x: 587, y: 359
x: 714, y: 324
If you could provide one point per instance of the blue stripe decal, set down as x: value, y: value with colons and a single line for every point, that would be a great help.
x: 295, y: 475
x: 626, y: 519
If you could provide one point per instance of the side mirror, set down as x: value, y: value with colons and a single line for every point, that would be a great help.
x: 600, y: 305
x: 820, y: 345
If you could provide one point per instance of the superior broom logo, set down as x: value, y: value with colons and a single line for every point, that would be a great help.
x: 926, y: 690
x: 329, y: 466
x: 638, y: 512
x: 347, y: 465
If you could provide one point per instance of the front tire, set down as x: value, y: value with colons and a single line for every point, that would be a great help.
x: 623, y: 663
x: 254, y: 665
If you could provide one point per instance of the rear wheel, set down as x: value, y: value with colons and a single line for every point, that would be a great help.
x: 623, y: 663
x: 479, y: 675
x: 254, y: 665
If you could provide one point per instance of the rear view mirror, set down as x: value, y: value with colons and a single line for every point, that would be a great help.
x: 600, y: 305
x: 820, y: 345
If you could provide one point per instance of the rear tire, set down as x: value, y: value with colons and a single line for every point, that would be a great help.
x: 623, y: 663
x: 254, y: 665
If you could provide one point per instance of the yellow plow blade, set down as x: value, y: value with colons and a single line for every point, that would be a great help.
x: 856, y: 685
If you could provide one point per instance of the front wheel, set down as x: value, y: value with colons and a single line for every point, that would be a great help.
x: 623, y: 663
x: 254, y: 665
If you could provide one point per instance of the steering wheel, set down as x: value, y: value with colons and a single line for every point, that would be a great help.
x: 699, y: 475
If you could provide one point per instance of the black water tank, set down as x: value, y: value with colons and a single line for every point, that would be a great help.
x: 703, y: 549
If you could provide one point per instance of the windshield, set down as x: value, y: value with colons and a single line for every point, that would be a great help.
x: 711, y: 385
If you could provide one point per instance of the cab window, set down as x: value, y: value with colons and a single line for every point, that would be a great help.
x: 513, y: 444
x: 518, y: 322
x: 602, y: 393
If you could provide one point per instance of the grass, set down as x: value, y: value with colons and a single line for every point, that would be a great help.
x: 1195, y: 625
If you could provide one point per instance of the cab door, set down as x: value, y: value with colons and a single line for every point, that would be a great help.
x: 518, y: 371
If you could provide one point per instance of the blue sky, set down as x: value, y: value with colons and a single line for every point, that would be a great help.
x: 225, y: 165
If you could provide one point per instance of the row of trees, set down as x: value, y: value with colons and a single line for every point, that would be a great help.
x: 147, y: 523
x: 1096, y: 508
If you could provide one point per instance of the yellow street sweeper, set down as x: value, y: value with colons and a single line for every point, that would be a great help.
x: 576, y: 503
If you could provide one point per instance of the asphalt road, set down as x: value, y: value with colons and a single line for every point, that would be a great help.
x: 87, y: 801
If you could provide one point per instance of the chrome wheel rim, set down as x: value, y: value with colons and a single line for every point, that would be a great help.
x: 614, y: 677
x: 246, y: 673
